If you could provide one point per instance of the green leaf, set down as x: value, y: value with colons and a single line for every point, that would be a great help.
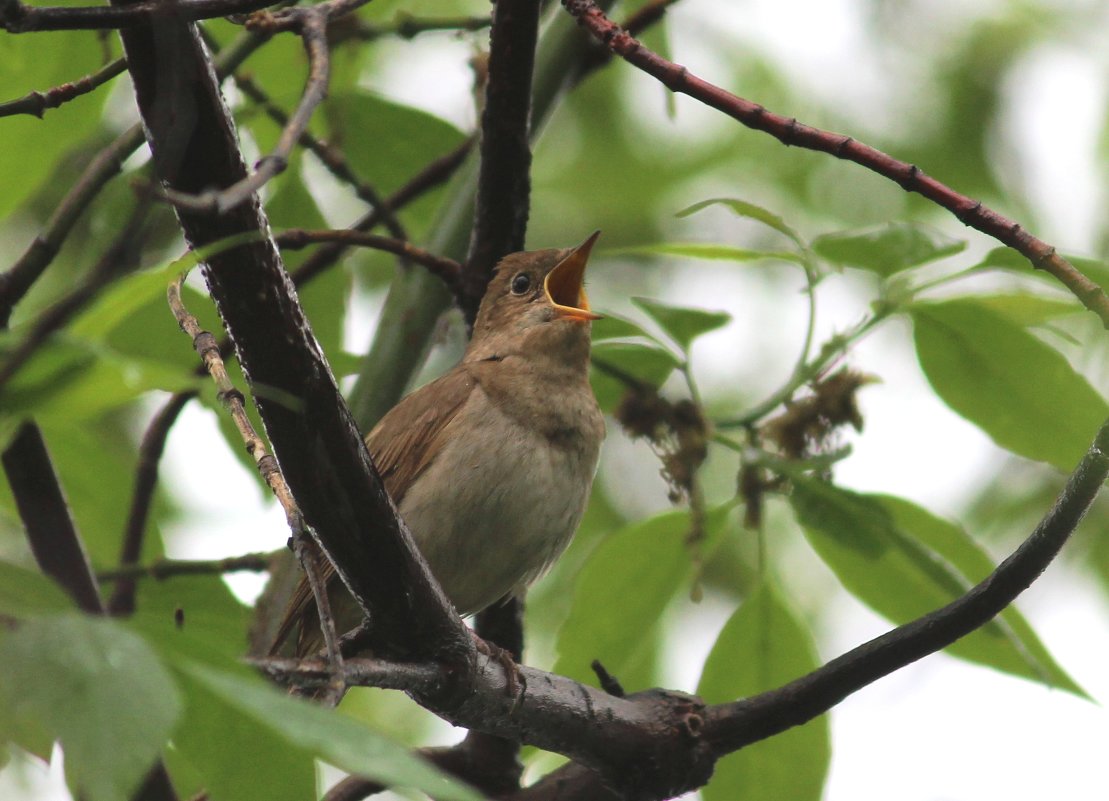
x: 751, y: 212
x: 681, y: 324
x: 100, y: 690
x: 1027, y: 309
x: 68, y: 379
x: 647, y: 363
x: 26, y: 593
x: 1020, y: 391
x: 708, y: 250
x: 1028, y: 657
x: 903, y: 562
x: 620, y: 596
x: 762, y: 646
x: 197, y: 616
x: 331, y: 736
x: 614, y: 327
x: 887, y: 249
x: 387, y: 142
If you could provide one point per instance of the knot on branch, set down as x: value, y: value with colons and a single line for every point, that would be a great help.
x: 677, y: 758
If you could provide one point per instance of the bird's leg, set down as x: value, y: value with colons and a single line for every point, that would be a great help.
x: 513, y: 680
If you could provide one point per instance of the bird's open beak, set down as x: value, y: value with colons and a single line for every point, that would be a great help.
x: 563, y: 284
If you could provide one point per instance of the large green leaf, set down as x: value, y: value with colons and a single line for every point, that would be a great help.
x: 327, y: 734
x: 903, y: 562
x: 69, y: 379
x: 641, y: 362
x: 33, y: 147
x: 25, y: 593
x: 1017, y: 389
x: 620, y: 595
x: 887, y: 249
x: 96, y: 687
x: 764, y: 645
x: 683, y: 325
x: 386, y: 142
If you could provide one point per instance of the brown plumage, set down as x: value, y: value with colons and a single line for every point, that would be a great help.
x: 491, y: 464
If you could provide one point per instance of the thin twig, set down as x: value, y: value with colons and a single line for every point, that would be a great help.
x: 332, y: 158
x: 312, y: 27
x: 36, y: 103
x: 303, y: 545
x: 789, y: 131
x: 407, y: 26
x: 431, y: 176
x: 122, y: 601
x: 16, y: 17
x: 15, y: 282
x: 106, y: 164
x: 296, y: 238
x: 170, y: 568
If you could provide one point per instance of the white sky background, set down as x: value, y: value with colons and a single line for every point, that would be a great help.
x: 940, y: 730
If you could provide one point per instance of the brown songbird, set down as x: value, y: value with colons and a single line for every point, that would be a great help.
x: 491, y: 464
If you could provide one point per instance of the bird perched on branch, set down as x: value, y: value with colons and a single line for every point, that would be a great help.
x: 491, y: 464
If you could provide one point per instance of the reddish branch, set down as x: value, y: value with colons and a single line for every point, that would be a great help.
x: 504, y: 185
x: 789, y: 131
x: 37, y: 103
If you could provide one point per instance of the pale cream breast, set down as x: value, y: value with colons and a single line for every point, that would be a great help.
x: 506, y: 499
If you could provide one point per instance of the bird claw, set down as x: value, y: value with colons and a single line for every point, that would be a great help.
x: 513, y: 680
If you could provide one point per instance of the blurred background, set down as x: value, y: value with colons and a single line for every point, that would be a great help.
x: 1003, y: 101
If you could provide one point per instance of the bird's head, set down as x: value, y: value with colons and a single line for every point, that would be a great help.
x: 536, y: 300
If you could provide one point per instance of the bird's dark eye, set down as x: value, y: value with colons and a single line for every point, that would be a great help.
x: 521, y: 283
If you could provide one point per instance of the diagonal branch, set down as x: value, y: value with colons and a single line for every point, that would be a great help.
x: 313, y: 435
x: 789, y: 131
x: 658, y: 744
x: 732, y: 726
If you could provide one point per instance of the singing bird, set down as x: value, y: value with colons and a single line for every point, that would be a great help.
x: 491, y: 464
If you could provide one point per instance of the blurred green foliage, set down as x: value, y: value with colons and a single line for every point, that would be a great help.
x: 1010, y: 353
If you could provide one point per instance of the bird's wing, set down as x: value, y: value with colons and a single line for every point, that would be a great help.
x: 402, y: 444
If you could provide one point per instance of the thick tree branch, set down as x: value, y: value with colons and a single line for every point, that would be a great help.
x: 789, y: 131
x: 312, y: 27
x: 504, y: 181
x: 731, y: 726
x: 15, y: 283
x: 314, y: 438
x: 656, y: 744
x: 45, y: 514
